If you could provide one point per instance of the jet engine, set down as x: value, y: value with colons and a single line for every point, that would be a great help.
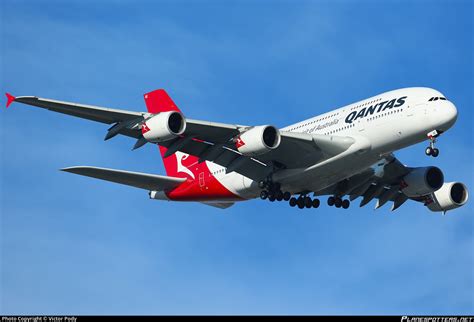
x: 422, y: 181
x: 451, y: 195
x: 258, y: 140
x: 163, y: 127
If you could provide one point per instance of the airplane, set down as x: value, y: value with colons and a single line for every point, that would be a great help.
x: 344, y: 154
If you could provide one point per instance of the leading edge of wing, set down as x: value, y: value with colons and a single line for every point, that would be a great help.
x: 135, y: 179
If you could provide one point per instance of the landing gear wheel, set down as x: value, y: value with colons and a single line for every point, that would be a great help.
x: 434, y: 152
x: 264, y: 194
x: 286, y: 196
x: 271, y: 197
x: 331, y: 201
x: 279, y: 195
x: 346, y: 203
x: 315, y: 203
x: 300, y: 202
x: 338, y: 202
x: 293, y: 202
x: 308, y: 202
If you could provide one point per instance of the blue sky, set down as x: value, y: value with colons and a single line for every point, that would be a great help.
x: 73, y: 245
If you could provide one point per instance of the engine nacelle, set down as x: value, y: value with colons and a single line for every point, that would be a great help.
x: 163, y: 127
x: 451, y: 195
x: 422, y: 181
x: 258, y: 140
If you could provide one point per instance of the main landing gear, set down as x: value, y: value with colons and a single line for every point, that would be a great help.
x: 304, y: 201
x: 275, y: 195
x: 431, y: 150
x: 272, y: 192
x: 338, y: 202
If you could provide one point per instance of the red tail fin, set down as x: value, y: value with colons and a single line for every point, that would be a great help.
x: 159, y: 101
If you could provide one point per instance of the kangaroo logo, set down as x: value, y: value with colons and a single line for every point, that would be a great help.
x: 145, y: 128
x: 239, y: 143
x: 180, y: 157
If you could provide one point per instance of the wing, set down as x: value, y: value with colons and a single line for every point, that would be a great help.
x: 381, y: 182
x: 126, y: 122
x: 146, y: 181
x: 209, y: 141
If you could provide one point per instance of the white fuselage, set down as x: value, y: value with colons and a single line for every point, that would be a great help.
x: 383, y: 123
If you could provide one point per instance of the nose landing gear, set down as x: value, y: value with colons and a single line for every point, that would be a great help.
x: 431, y: 150
x: 434, y: 152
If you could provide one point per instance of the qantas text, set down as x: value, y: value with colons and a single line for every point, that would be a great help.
x: 376, y: 108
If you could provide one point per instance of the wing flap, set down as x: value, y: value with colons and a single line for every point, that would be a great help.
x: 134, y: 179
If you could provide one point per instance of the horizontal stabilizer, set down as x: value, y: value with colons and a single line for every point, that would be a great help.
x: 135, y: 179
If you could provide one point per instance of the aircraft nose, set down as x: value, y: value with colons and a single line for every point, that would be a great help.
x: 450, y: 114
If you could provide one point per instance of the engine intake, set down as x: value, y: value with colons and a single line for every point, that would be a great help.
x: 163, y: 127
x: 451, y: 196
x: 422, y: 181
x: 258, y: 140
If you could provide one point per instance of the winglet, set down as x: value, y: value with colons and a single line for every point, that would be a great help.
x: 10, y: 99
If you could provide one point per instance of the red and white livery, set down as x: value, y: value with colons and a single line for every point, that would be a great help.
x: 344, y: 154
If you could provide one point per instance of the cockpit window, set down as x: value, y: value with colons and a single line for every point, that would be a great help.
x: 437, y: 98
